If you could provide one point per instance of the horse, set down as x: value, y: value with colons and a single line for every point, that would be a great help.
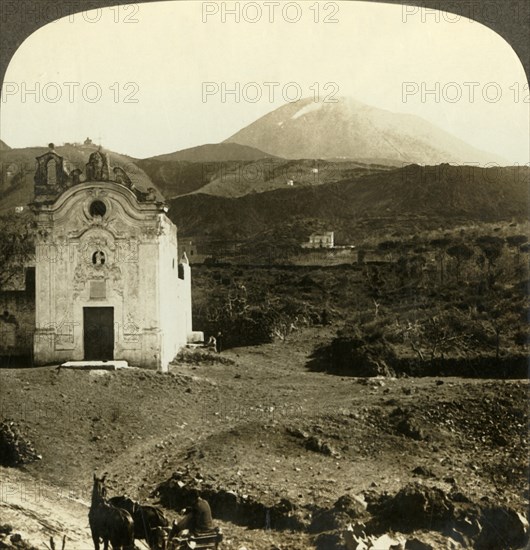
x: 107, y: 522
x: 147, y: 519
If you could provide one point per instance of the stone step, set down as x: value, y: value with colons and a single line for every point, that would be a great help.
x: 195, y: 337
x: 93, y: 365
x: 194, y: 345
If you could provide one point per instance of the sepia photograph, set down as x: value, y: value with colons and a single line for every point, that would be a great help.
x: 264, y: 273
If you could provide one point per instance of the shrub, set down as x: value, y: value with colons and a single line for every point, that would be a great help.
x: 14, y: 448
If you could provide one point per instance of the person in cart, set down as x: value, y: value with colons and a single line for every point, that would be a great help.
x: 198, y: 517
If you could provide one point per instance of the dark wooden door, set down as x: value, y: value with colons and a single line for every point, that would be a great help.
x: 98, y: 333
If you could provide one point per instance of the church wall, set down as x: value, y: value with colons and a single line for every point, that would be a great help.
x: 145, y: 308
x: 172, y: 316
x: 184, y: 297
x: 64, y: 289
x: 130, y: 276
x: 115, y: 263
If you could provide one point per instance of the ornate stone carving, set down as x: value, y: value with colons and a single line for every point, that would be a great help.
x: 85, y: 272
x: 131, y: 330
x: 151, y: 194
x: 152, y: 230
x: 76, y: 176
x: 50, y: 173
x: 97, y: 168
x: 64, y: 333
x: 42, y: 235
x: 96, y: 193
x: 143, y: 196
x: 121, y: 177
x: 98, y: 258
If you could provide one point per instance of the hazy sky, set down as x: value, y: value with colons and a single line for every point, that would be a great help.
x: 135, y: 77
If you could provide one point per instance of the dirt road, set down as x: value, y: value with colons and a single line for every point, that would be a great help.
x: 39, y: 510
x: 261, y: 424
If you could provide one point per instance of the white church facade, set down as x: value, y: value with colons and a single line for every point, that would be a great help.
x: 109, y: 284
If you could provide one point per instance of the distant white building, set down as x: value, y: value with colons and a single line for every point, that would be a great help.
x: 321, y: 240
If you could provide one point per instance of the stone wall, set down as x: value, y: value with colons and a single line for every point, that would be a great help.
x: 17, y: 324
x: 325, y: 256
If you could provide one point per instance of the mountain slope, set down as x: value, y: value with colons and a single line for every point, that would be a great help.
x: 173, y: 177
x: 429, y: 196
x: 4, y: 146
x: 353, y: 130
x: 238, y: 178
x: 215, y: 152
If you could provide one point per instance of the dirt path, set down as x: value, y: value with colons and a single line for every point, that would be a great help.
x: 38, y: 510
x: 241, y: 423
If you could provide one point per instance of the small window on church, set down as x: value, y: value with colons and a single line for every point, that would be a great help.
x: 98, y: 258
x: 181, y: 271
x: 98, y: 208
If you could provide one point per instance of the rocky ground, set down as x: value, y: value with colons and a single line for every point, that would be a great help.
x: 287, y: 457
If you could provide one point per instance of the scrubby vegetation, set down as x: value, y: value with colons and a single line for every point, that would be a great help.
x: 15, y: 449
x: 406, y: 200
x: 241, y: 304
x: 452, y: 297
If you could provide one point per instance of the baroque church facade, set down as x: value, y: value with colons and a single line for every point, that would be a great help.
x: 109, y: 284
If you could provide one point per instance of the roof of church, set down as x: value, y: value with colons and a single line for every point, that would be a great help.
x: 101, y: 167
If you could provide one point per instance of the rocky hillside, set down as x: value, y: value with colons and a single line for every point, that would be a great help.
x: 349, y: 129
x: 175, y: 177
x: 236, y: 178
x: 4, y: 146
x: 215, y: 152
